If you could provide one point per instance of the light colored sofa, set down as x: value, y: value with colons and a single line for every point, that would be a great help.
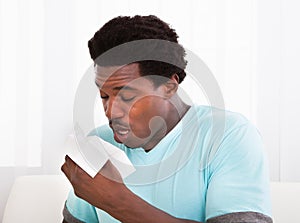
x: 285, y: 202
x: 40, y: 198
x: 37, y: 198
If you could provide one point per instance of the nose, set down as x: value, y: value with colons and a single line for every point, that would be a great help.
x: 113, y: 109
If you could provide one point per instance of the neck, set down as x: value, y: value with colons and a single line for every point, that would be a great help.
x: 176, y: 111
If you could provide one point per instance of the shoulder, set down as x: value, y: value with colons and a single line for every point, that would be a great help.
x: 232, y: 135
x: 218, y: 126
x: 217, y: 116
x: 225, y: 138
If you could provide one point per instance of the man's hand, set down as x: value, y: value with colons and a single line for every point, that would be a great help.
x: 108, y: 192
x: 102, y: 190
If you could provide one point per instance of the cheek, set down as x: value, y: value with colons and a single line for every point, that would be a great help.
x: 143, y: 111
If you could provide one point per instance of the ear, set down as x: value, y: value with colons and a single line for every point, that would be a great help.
x: 171, y: 86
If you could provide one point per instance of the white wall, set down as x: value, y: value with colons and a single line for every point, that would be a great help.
x: 278, y: 82
x: 251, y: 46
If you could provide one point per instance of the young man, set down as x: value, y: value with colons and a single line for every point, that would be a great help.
x: 193, y: 163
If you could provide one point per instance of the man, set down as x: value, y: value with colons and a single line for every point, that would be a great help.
x: 194, y: 163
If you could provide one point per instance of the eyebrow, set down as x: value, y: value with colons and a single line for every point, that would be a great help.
x: 125, y: 88
x: 120, y: 87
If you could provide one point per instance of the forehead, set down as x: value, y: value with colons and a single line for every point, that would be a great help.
x: 117, y: 75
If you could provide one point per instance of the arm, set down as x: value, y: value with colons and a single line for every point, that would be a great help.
x: 106, y: 191
x: 125, y: 205
x: 238, y: 186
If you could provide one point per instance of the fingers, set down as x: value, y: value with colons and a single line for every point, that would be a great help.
x: 70, y: 168
x: 74, y: 172
x: 65, y: 167
x: 70, y: 163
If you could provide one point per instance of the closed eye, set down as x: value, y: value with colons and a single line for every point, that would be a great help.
x: 127, y: 99
x: 104, y: 97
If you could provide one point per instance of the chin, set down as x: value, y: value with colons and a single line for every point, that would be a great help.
x: 132, y: 144
x: 133, y: 141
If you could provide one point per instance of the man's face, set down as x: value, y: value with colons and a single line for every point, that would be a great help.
x: 135, y: 107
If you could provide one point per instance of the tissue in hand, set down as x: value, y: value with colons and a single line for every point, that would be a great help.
x: 92, y: 152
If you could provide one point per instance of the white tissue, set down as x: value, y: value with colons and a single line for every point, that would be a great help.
x: 91, y: 153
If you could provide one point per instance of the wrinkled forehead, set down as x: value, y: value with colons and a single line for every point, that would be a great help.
x: 103, y: 73
x: 114, y: 75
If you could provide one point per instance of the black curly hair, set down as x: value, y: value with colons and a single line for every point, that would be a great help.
x: 124, y: 29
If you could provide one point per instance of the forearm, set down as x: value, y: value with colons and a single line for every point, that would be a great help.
x: 132, y: 209
x: 112, y: 196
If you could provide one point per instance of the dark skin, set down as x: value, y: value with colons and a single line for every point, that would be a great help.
x: 131, y: 102
x: 114, y: 197
x: 129, y: 110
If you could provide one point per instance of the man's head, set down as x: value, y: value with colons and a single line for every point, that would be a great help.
x: 139, y: 97
x: 125, y: 29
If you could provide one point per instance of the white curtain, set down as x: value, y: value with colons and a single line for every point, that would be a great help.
x: 22, y: 60
x: 249, y: 45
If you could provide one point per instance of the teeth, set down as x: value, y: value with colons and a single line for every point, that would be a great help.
x: 122, y: 132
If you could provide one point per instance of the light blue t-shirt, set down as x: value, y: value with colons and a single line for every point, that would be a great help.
x: 211, y: 163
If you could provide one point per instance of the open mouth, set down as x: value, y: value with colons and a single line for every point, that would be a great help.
x: 120, y: 133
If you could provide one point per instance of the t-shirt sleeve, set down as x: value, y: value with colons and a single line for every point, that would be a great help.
x: 238, y: 175
x: 78, y: 210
